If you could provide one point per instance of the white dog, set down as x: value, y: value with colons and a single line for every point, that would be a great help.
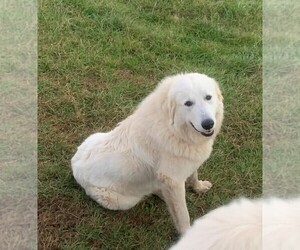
x: 156, y: 149
x: 272, y: 224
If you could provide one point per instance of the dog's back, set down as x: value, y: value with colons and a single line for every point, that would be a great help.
x: 247, y: 224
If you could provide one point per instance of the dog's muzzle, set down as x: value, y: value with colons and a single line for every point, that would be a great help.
x: 206, y: 133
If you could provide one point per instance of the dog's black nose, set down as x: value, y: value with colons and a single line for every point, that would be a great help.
x: 207, y: 124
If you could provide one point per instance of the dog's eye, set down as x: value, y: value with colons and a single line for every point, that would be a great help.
x: 188, y: 103
x: 208, y: 97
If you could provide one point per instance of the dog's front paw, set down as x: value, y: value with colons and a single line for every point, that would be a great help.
x: 202, y: 186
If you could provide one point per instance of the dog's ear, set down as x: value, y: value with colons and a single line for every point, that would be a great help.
x: 172, y: 107
x: 219, y: 93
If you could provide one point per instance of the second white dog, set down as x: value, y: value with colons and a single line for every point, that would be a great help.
x: 244, y: 224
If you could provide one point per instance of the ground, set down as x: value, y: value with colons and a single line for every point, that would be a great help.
x: 97, y: 61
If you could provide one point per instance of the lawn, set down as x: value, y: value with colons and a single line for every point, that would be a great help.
x: 97, y: 61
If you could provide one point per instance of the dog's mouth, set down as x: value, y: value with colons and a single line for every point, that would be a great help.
x: 207, y: 133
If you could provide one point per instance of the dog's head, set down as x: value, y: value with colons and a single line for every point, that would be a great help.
x: 195, y: 104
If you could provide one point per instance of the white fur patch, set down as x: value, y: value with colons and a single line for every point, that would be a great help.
x: 271, y: 224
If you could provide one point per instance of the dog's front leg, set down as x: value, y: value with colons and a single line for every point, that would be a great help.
x: 173, y: 193
x: 197, y: 185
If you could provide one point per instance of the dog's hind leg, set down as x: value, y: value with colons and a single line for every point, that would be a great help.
x: 111, y: 199
x: 197, y: 185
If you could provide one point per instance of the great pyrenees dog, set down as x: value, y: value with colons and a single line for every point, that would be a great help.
x: 244, y: 224
x: 156, y: 149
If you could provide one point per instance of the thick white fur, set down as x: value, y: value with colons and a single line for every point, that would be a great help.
x: 155, y: 149
x: 271, y: 224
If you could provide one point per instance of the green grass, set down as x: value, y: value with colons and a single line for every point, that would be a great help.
x: 97, y: 61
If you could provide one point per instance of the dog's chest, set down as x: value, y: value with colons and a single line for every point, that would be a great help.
x: 197, y: 157
x: 198, y: 154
